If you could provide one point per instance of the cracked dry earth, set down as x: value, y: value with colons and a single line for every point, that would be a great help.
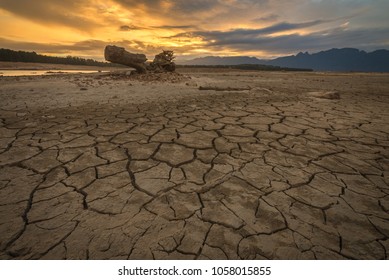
x: 269, y: 172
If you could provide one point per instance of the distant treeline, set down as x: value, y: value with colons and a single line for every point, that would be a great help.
x: 258, y: 67
x: 22, y: 56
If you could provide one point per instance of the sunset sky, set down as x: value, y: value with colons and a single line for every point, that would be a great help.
x: 261, y: 28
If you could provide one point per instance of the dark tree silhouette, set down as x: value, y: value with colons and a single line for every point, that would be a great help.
x: 22, y: 56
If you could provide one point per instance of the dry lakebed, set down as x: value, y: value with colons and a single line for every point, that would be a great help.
x: 200, y: 164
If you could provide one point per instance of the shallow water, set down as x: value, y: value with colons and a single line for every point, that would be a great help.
x: 43, y: 72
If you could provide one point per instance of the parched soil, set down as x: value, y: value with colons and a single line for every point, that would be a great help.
x: 257, y: 165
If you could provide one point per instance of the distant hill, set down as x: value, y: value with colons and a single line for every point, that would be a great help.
x: 219, y: 60
x: 22, y: 56
x: 346, y: 59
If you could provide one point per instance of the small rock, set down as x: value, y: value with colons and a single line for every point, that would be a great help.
x: 191, y: 84
x: 83, y: 88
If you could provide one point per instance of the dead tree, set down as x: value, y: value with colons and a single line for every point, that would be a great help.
x: 162, y: 62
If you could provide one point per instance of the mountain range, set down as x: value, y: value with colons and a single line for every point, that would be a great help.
x: 345, y: 59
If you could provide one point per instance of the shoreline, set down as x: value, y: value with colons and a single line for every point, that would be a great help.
x: 6, y: 65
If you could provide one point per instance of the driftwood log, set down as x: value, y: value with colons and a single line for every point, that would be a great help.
x: 119, y: 55
x: 162, y: 62
x: 224, y: 88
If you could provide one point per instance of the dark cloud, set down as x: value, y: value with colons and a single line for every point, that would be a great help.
x: 250, y: 33
x: 64, y: 12
x: 174, y: 26
x: 198, y: 12
x: 267, y: 18
x: 125, y: 28
x: 279, y: 27
x: 186, y: 7
x: 367, y: 39
x: 133, y: 27
x: 130, y: 27
x: 133, y: 3
x: 178, y: 6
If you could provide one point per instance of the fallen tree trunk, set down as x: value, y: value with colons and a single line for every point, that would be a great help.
x: 119, y: 55
x: 216, y: 88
